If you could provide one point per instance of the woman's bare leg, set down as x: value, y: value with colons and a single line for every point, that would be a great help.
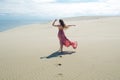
x: 61, y: 47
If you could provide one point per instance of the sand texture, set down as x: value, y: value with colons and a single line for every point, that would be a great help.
x: 30, y: 52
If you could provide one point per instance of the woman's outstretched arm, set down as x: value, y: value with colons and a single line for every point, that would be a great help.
x: 70, y: 25
x: 67, y: 26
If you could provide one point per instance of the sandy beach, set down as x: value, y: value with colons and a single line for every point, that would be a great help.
x: 30, y: 52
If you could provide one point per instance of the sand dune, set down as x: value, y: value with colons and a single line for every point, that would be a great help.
x: 30, y: 52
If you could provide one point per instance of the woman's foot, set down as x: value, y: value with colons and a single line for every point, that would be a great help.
x: 60, y: 50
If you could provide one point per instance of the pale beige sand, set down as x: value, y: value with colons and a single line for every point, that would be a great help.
x: 97, y: 56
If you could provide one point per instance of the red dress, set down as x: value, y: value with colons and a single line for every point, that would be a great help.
x: 66, y: 42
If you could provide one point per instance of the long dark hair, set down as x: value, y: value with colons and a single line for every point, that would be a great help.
x: 62, y: 23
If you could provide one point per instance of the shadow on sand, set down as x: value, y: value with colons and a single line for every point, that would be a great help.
x: 57, y: 54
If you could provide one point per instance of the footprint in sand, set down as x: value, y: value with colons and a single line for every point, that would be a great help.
x: 60, y: 74
x: 59, y: 64
x: 60, y: 56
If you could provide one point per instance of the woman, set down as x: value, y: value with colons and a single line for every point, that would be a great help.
x: 62, y: 38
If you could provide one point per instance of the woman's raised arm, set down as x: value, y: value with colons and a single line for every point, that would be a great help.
x: 53, y: 24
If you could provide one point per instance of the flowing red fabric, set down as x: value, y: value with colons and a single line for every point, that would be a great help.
x: 66, y: 42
